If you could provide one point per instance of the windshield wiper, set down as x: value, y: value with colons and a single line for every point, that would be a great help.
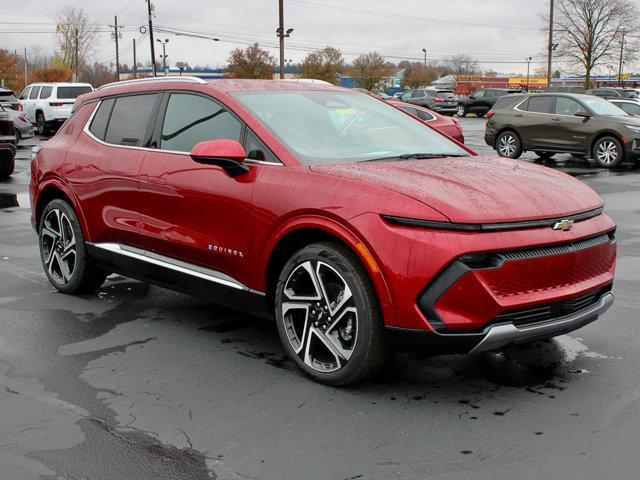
x: 422, y: 156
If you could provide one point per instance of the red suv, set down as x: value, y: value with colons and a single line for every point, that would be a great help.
x: 357, y: 228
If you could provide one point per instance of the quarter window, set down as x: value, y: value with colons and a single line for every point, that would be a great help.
x: 256, y: 150
x: 45, y: 92
x: 129, y: 120
x: 567, y: 106
x: 34, y: 93
x: 100, y: 120
x: 540, y: 104
x: 191, y: 119
x: 426, y: 116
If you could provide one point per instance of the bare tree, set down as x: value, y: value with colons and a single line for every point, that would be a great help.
x: 589, y: 33
x: 326, y: 64
x: 252, y: 62
x: 462, y: 65
x: 70, y: 21
x: 416, y: 75
x: 371, y: 70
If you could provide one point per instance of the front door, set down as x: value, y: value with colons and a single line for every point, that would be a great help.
x: 190, y: 212
x: 569, y: 132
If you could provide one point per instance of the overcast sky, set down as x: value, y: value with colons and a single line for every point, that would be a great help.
x: 494, y: 32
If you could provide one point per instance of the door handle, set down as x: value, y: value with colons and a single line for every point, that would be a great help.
x: 154, y: 180
x: 555, y: 119
x: 519, y: 115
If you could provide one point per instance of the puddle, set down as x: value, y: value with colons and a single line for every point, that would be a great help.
x: 12, y: 200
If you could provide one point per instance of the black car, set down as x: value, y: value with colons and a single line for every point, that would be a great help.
x: 7, y: 160
x: 481, y: 101
x: 8, y: 99
x: 609, y: 93
x: 442, y: 101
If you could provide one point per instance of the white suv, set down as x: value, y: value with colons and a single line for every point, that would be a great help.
x: 48, y: 105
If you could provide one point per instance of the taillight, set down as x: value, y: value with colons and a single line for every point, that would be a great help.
x: 438, y: 100
x: 23, y: 117
x: 20, y: 108
x: 490, y: 114
x: 56, y: 104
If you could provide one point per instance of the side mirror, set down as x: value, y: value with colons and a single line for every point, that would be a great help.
x: 583, y: 114
x: 227, y: 154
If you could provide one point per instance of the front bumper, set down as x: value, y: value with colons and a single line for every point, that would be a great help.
x: 495, y: 336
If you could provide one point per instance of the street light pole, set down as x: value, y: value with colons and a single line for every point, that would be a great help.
x: 425, y: 58
x: 528, y: 70
x: 281, y: 35
x: 164, y: 54
x: 550, y: 53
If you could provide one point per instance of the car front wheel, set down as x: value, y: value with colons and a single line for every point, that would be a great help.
x: 328, y: 316
x: 64, y: 253
x: 608, y: 152
x: 462, y: 112
x: 508, y: 145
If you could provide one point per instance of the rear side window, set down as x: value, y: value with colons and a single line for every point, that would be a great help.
x: 100, y: 120
x: 417, y: 94
x: 129, y: 119
x: 34, y: 93
x: 45, y: 92
x: 72, y: 92
x: 409, y: 110
x: 540, y: 104
x: 191, y: 119
x: 426, y: 116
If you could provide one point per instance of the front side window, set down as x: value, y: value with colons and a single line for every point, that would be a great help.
x: 479, y: 94
x: 34, y: 93
x: 45, y: 92
x: 328, y: 126
x: 129, y: 119
x: 191, y: 119
x: 567, y: 106
x: 417, y: 94
x: 540, y: 104
x: 25, y: 93
x: 630, y: 108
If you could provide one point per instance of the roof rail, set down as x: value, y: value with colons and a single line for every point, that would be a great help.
x: 154, y: 79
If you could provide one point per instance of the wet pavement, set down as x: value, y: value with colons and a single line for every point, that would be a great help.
x: 135, y: 382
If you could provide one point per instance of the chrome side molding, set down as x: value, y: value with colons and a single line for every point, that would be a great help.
x: 173, y: 264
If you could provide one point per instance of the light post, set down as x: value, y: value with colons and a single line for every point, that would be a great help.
x: 610, y: 73
x: 528, y: 59
x: 164, y: 54
x: 425, y: 58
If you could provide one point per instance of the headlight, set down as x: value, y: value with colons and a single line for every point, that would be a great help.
x: 634, y: 128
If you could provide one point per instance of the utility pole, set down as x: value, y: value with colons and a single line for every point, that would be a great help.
x: 624, y: 32
x: 550, y: 46
x: 75, y: 62
x: 528, y: 70
x: 153, y: 52
x: 425, y: 58
x: 134, y: 58
x: 281, y: 35
x: 115, y: 36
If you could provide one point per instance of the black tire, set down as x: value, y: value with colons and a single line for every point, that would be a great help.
x: 69, y: 273
x: 41, y: 124
x: 305, y: 330
x: 462, y: 112
x: 545, y: 155
x: 508, y: 145
x: 608, y: 152
x: 6, y: 169
x: 18, y: 137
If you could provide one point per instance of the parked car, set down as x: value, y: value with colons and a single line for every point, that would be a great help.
x: 441, y: 101
x: 8, y: 99
x: 613, y: 92
x: 7, y: 160
x: 481, y: 101
x: 344, y: 218
x: 7, y: 127
x: 48, y: 105
x: 632, y: 107
x: 447, y: 125
x: 22, y: 126
x: 547, y: 124
x: 565, y: 89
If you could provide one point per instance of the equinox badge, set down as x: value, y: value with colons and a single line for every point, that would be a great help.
x: 564, y: 225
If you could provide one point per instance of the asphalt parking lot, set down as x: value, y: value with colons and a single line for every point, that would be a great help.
x: 136, y: 382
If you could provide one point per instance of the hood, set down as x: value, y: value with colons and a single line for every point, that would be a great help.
x: 477, y: 189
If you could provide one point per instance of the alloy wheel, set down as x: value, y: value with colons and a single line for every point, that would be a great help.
x: 461, y: 111
x: 607, y: 152
x: 319, y: 316
x: 507, y: 145
x: 58, y: 246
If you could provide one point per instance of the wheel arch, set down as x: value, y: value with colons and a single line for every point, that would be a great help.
x: 607, y: 133
x: 53, y: 190
x: 303, y: 231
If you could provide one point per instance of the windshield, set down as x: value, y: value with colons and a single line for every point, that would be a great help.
x: 600, y: 106
x: 72, y: 92
x: 324, y: 127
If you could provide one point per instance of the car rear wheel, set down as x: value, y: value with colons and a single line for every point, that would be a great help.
x: 462, y: 112
x: 6, y: 169
x: 64, y: 253
x: 508, y: 145
x: 545, y: 155
x: 608, y: 152
x: 327, y: 315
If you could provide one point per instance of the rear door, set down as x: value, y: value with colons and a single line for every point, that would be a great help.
x: 532, y: 119
x: 568, y: 132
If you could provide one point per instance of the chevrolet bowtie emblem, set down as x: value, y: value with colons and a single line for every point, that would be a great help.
x: 564, y: 225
